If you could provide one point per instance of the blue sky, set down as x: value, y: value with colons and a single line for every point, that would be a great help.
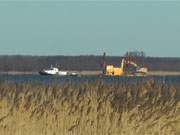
x: 79, y: 28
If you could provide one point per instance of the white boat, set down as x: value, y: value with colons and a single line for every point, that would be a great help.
x: 51, y: 71
x: 56, y: 71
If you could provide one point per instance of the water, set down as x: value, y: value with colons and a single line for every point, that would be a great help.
x: 50, y: 79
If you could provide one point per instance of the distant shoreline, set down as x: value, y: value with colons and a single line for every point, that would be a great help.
x: 150, y: 73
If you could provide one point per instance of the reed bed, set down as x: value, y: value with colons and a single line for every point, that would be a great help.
x: 90, y: 108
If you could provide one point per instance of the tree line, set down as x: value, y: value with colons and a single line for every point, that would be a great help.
x: 80, y: 63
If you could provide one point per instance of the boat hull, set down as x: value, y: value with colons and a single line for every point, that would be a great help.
x: 44, y: 73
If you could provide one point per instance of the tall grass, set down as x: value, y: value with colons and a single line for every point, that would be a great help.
x: 90, y: 108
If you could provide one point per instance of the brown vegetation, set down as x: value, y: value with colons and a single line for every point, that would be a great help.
x: 90, y: 108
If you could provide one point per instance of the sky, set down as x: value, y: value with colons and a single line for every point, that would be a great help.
x: 90, y: 27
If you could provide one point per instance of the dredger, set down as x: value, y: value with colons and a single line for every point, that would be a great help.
x: 127, y: 68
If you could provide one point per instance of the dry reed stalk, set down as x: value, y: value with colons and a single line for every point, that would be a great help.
x: 91, y: 108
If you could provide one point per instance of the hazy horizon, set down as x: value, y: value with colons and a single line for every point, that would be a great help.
x: 89, y: 28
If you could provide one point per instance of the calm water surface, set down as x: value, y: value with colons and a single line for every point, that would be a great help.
x: 50, y: 79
